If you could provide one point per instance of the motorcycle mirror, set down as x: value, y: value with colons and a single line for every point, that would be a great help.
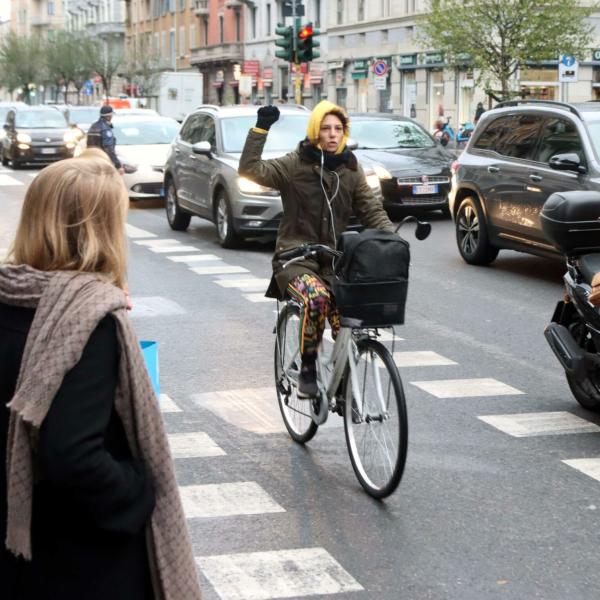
x: 423, y: 230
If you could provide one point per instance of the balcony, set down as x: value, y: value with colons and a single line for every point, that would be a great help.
x: 100, y: 29
x: 40, y: 21
x: 227, y: 52
x: 233, y: 4
x: 201, y: 8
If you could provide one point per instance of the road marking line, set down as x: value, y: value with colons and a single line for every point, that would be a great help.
x: 423, y: 358
x: 171, y: 249
x: 277, y: 574
x: 226, y: 500
x: 154, y: 306
x: 157, y: 243
x: 385, y: 335
x: 218, y: 270
x: 253, y: 409
x: 540, y: 423
x: 246, y: 284
x: 194, y: 445
x: 466, y: 388
x: 7, y: 180
x: 259, y: 297
x: 167, y: 405
x: 587, y: 466
x: 135, y: 232
x: 189, y: 258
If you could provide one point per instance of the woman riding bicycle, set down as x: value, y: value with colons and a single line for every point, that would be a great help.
x: 321, y: 186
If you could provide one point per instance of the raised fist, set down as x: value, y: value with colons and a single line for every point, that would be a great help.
x: 266, y: 116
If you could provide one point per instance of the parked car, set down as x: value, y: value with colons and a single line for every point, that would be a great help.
x: 143, y: 143
x: 520, y: 153
x: 201, y: 175
x: 83, y: 116
x: 413, y: 169
x: 36, y: 135
x: 4, y: 108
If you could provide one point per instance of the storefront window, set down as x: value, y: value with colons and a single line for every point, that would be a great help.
x: 539, y: 84
x: 436, y: 95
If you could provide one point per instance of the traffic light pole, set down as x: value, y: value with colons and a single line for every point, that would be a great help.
x: 298, y: 80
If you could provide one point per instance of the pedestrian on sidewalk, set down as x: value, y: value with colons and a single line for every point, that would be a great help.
x: 321, y: 186
x: 478, y: 112
x: 100, y: 135
x: 89, y: 504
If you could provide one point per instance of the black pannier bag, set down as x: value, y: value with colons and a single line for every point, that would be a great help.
x: 571, y: 221
x: 372, y: 277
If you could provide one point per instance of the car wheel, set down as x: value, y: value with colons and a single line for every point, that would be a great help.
x: 228, y: 238
x: 178, y: 220
x: 472, y: 236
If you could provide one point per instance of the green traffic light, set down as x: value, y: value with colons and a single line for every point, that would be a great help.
x: 286, y: 43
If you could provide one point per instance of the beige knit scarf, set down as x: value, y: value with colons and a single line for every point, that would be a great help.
x: 69, y: 306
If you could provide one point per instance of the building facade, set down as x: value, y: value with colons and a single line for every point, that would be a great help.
x: 28, y: 17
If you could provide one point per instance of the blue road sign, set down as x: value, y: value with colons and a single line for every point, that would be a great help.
x: 567, y: 60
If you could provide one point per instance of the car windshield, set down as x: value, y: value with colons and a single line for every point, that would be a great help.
x: 142, y: 133
x: 594, y: 129
x: 376, y: 134
x: 40, y: 119
x: 283, y: 136
x: 84, y: 114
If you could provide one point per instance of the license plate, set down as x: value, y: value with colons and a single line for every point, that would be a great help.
x: 162, y: 192
x: 48, y: 150
x: 425, y: 189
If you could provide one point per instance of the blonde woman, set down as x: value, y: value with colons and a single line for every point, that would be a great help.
x: 89, y: 507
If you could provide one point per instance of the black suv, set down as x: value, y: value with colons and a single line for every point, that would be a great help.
x: 521, y: 152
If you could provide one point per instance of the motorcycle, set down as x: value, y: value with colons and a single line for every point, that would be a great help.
x: 464, y: 133
x: 444, y: 134
x: 570, y: 222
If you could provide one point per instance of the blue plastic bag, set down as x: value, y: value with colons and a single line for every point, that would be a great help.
x: 150, y: 352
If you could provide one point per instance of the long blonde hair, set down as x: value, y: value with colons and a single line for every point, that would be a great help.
x: 73, y: 219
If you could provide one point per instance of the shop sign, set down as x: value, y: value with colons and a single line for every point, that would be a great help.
x: 434, y: 58
x: 360, y: 65
x: 252, y: 67
x: 463, y: 57
x: 316, y: 75
x: 596, y: 55
x: 267, y: 76
x: 359, y: 74
x: 407, y: 59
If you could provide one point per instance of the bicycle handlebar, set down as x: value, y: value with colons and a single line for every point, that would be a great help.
x: 307, y: 250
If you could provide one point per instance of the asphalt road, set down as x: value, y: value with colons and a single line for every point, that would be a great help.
x: 488, y: 508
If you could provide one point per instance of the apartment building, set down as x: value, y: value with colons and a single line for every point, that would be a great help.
x: 43, y: 17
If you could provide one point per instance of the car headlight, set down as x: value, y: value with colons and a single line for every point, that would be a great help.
x: 373, y: 181
x: 382, y: 172
x: 23, y: 138
x: 247, y: 186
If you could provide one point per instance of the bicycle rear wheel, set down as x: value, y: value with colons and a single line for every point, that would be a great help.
x: 375, y: 420
x: 295, y: 412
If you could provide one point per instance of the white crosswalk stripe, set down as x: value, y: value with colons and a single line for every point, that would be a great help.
x: 259, y: 297
x: 277, y: 574
x: 192, y: 258
x: 587, y: 466
x: 136, y: 233
x: 194, y: 445
x: 246, y: 284
x: 466, y: 388
x: 154, y: 306
x: 540, y: 423
x: 167, y: 405
x: 218, y: 270
x: 421, y: 359
x: 171, y: 249
x: 7, y: 180
x: 226, y: 500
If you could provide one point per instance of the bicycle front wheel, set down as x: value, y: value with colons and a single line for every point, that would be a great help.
x: 295, y: 412
x: 375, y: 419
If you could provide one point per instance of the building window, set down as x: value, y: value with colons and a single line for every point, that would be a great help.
x: 205, y: 31
x: 252, y: 31
x: 182, y: 4
x: 221, y: 29
x: 192, y: 36
x: 182, y: 41
x: 361, y: 10
x: 268, y: 29
x: 384, y: 36
x: 50, y: 8
x: 317, y: 13
x: 340, y: 12
x: 172, y: 49
x: 238, y: 25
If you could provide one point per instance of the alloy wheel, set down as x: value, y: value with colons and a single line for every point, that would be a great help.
x: 468, y: 230
x: 222, y: 218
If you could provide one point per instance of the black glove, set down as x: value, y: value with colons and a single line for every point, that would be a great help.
x: 267, y: 115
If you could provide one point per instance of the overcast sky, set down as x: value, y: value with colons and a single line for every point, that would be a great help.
x: 4, y: 10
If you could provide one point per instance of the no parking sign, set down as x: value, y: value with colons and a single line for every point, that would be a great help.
x: 380, y: 68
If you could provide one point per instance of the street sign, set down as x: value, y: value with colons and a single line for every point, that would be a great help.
x: 380, y: 67
x: 380, y: 82
x: 568, y: 69
x: 287, y: 8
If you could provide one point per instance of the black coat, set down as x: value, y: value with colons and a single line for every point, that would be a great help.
x: 93, y: 500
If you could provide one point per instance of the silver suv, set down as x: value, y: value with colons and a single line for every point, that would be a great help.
x: 201, y: 175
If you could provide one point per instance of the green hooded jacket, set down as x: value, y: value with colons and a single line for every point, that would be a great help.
x: 306, y: 218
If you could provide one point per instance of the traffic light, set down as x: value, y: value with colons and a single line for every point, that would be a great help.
x: 307, y: 43
x: 286, y: 42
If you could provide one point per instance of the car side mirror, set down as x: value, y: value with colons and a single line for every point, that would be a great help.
x: 566, y: 162
x: 351, y: 144
x: 202, y: 148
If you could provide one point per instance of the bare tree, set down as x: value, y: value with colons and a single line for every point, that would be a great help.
x: 21, y: 63
x: 105, y: 60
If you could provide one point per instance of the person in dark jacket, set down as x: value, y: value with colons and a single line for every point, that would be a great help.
x: 82, y: 448
x: 478, y: 112
x: 321, y: 186
x: 100, y: 135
